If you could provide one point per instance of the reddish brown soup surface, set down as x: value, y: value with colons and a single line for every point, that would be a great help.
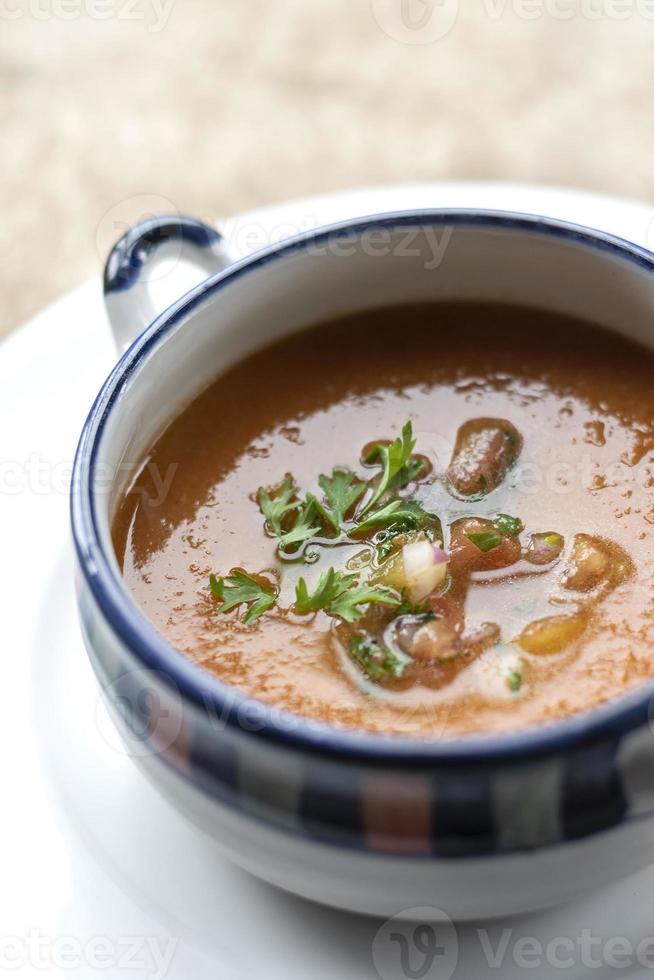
x: 581, y: 400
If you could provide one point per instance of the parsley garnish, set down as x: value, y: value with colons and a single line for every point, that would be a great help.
x: 238, y: 587
x: 515, y: 681
x: 377, y: 662
x: 277, y: 508
x: 511, y: 526
x: 408, y: 513
x: 347, y: 604
x: 399, y: 467
x: 303, y: 528
x: 486, y: 540
x: 341, y: 490
x: 387, y: 543
x: 330, y: 585
x: 338, y: 594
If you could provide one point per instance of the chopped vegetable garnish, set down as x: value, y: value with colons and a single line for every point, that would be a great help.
x: 486, y: 540
x: 339, y: 594
x: 348, y: 604
x: 341, y: 490
x: 515, y: 681
x: 388, y: 543
x: 330, y: 585
x: 240, y: 588
x: 399, y: 467
x: 377, y: 662
x: 276, y: 510
x: 303, y: 528
x: 402, y: 565
x: 512, y: 526
x: 544, y: 548
x: 424, y: 569
x: 406, y: 514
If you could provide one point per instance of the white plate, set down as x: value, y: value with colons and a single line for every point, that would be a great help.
x: 98, y: 876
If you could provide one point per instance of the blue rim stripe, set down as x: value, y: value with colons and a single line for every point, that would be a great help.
x: 129, y: 255
x: 206, y: 690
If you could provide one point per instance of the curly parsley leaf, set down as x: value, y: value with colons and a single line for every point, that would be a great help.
x: 377, y: 662
x: 239, y: 588
x: 486, y: 540
x: 341, y: 490
x: 348, y: 604
x: 338, y: 594
x: 303, y: 527
x: 277, y: 508
x: 330, y: 585
x: 511, y: 526
x: 408, y: 514
x: 399, y: 467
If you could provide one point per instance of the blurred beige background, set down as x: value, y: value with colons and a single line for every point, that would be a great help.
x: 214, y: 106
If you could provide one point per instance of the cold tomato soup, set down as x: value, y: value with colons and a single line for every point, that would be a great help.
x: 430, y: 520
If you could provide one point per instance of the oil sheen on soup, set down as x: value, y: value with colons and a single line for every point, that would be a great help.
x: 429, y: 520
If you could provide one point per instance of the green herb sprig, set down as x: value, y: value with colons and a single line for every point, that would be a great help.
x: 408, y: 513
x: 239, y: 588
x: 399, y: 466
x: 278, y: 508
x: 485, y: 540
x: 342, y: 490
x: 339, y: 594
x: 510, y: 526
x: 378, y: 663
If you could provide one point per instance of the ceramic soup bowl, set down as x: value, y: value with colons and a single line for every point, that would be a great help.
x: 478, y: 826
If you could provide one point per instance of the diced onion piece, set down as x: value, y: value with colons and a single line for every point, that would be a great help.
x: 424, y: 569
x: 544, y: 547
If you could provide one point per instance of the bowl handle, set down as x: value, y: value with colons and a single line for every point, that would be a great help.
x: 153, y: 265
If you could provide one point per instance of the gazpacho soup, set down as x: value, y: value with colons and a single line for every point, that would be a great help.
x: 428, y: 520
